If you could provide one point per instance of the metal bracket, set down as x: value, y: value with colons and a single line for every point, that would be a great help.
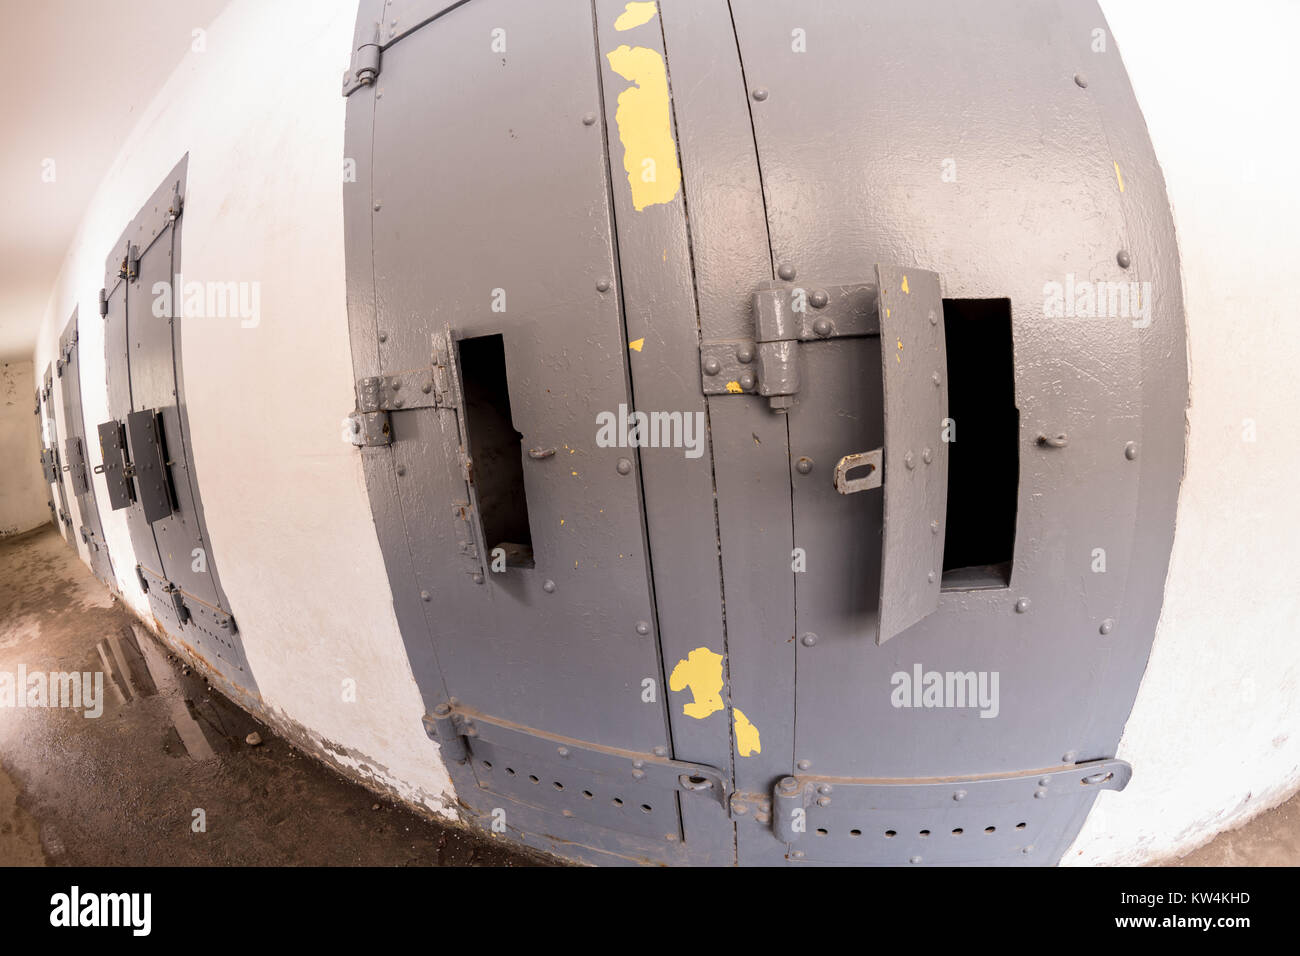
x: 466, y: 735
x: 785, y: 315
x: 806, y: 804
x: 863, y: 459
x: 149, y: 463
x: 116, y: 469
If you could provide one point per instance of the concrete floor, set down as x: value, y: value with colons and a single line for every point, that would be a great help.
x: 122, y: 788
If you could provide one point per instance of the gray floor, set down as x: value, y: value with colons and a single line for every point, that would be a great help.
x: 122, y: 788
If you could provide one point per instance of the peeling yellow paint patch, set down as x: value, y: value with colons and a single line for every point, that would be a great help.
x: 734, y: 388
x: 1119, y: 178
x: 635, y: 344
x: 644, y: 121
x: 748, y: 742
x: 701, y: 671
x: 635, y: 14
x: 906, y: 290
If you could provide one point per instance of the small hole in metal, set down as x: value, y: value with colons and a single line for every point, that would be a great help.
x: 646, y: 808
x: 890, y: 834
x: 588, y: 794
x: 617, y: 802
x: 1020, y: 826
x: 924, y: 833
x: 957, y: 831
x: 557, y: 785
x: 855, y: 833
x: 534, y: 778
x: 990, y: 829
x: 822, y: 832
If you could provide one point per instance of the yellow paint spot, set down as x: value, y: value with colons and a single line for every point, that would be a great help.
x: 906, y: 290
x: 748, y: 742
x: 701, y: 672
x: 1119, y: 178
x: 734, y: 388
x: 575, y: 474
x: 635, y: 14
x: 645, y: 126
x: 562, y: 520
x: 635, y: 344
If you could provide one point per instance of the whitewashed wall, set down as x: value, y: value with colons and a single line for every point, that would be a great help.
x: 23, y: 503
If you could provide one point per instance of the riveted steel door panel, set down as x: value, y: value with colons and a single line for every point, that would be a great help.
x: 47, y: 459
x: 914, y: 162
x: 63, y: 517
x: 486, y: 210
x: 70, y: 384
x: 146, y: 397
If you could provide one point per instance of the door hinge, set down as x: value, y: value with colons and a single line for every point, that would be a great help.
x: 103, y: 303
x: 768, y: 363
x: 364, y: 68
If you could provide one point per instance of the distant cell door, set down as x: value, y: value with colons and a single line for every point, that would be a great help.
x: 145, y: 455
x: 889, y: 601
x: 52, y: 458
x: 76, y: 451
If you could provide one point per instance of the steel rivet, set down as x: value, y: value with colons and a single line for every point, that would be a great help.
x: 1107, y: 626
x: 1027, y: 850
x: 642, y: 627
x: 638, y: 774
x: 1131, y: 450
x: 797, y: 854
x: 562, y: 751
x: 809, y: 639
x: 762, y: 818
x: 549, y: 587
x: 1044, y: 781
x: 823, y: 788
x: 1039, y: 794
x: 378, y: 206
x: 803, y: 465
x: 477, y: 578
x: 1069, y: 756
x: 789, y: 783
x: 930, y: 577
x: 425, y: 595
x: 909, y: 460
x: 915, y: 859
x: 936, y: 378
x: 383, y: 336
x: 934, y: 317
x: 712, y: 366
x: 959, y: 795
x: 397, y: 386
x: 822, y: 327
x: 803, y: 765
x: 1123, y: 259
x: 747, y: 380
x: 638, y: 763
x: 670, y: 837
x: 760, y: 94
x: 1022, y: 605
x: 819, y: 299
x: 927, y: 456
x: 427, y: 388
x: 934, y: 527
x: 624, y: 466
x: 823, y: 801
x: 401, y: 470
x: 745, y: 354
x: 1081, y: 81
x: 589, y: 119
x: 602, y: 285
x: 740, y: 809
x: 785, y: 271
x: 661, y: 751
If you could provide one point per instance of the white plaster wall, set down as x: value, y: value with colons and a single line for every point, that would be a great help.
x: 23, y: 504
x: 261, y: 114
x: 1214, y: 736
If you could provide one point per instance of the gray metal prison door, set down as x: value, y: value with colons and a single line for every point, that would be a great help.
x: 52, y: 460
x: 144, y: 448
x: 76, y: 466
x: 47, y: 459
x: 899, y: 597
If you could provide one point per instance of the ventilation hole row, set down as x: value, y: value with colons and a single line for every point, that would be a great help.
x: 556, y: 785
x: 890, y: 834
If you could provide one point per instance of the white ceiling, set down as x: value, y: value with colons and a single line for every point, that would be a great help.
x: 80, y: 73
